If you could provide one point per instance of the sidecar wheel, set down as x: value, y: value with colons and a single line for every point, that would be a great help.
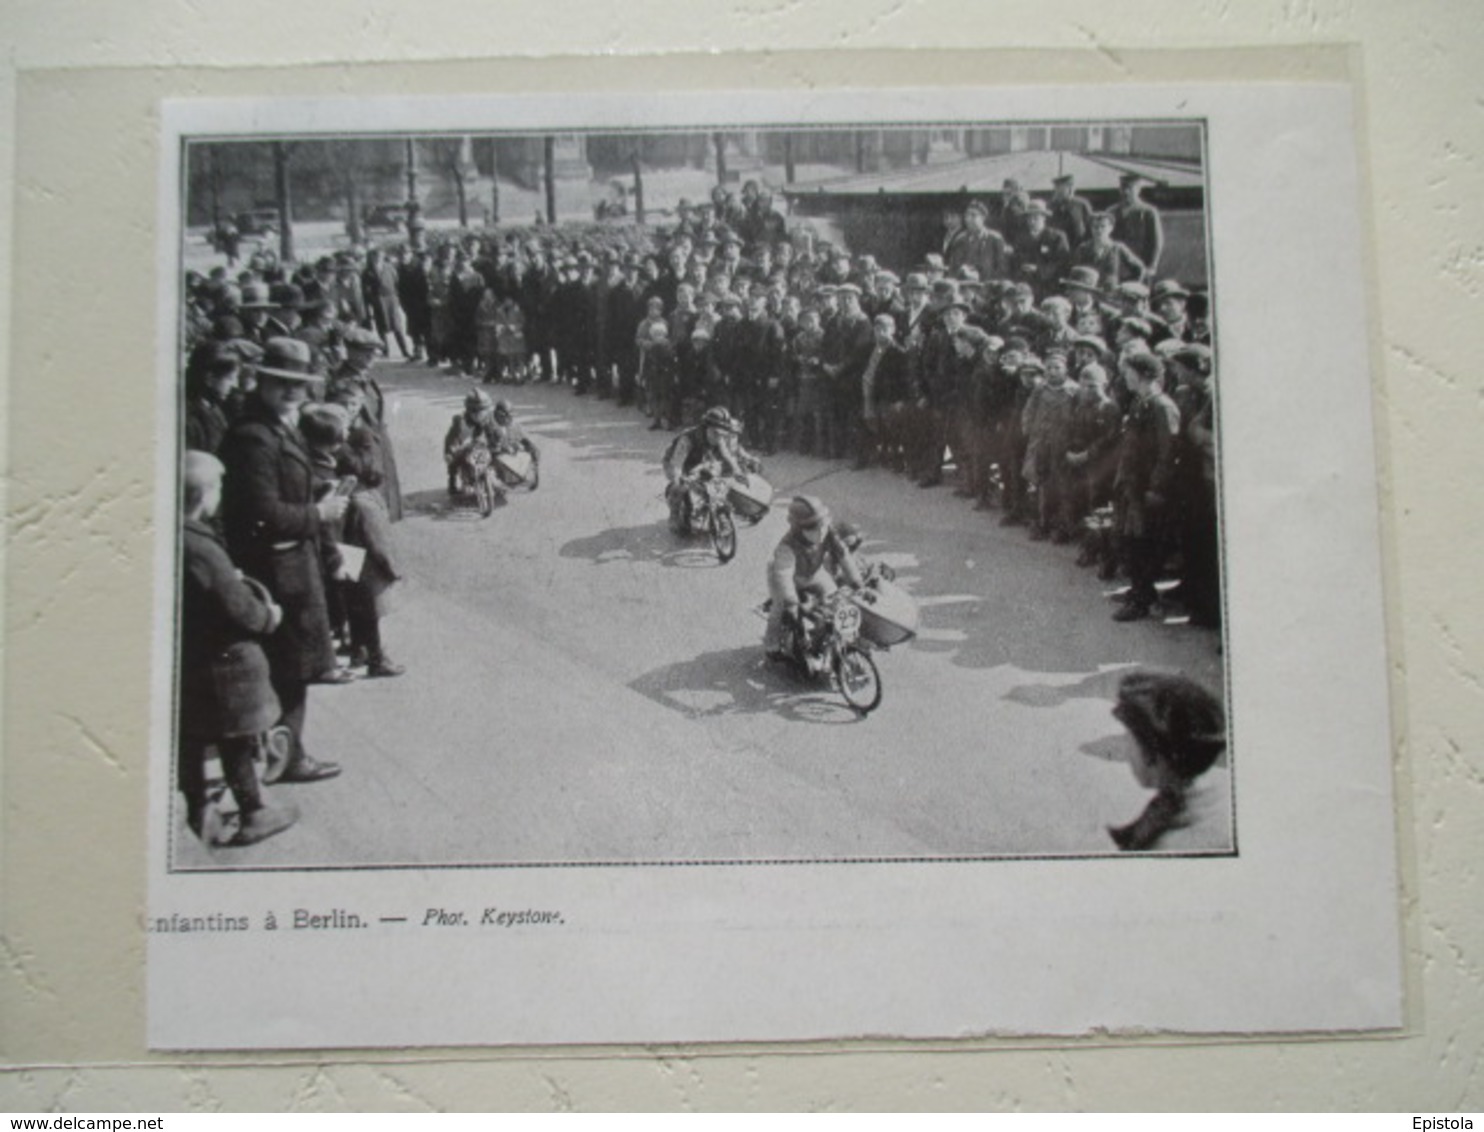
x: 484, y: 493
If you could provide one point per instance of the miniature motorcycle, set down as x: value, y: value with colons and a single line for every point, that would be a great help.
x: 836, y: 636
x: 712, y: 501
x: 825, y: 641
x: 474, y: 474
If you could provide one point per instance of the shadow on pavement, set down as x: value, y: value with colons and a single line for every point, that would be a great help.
x: 1110, y: 748
x: 1094, y: 686
x: 436, y: 504
x: 651, y: 542
x: 738, y: 681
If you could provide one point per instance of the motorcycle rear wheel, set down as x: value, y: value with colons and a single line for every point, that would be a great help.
x: 723, y: 534
x: 858, y: 680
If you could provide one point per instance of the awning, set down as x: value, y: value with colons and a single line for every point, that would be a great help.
x: 1034, y: 169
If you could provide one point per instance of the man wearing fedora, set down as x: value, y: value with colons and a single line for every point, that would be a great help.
x: 1082, y: 291
x: 1040, y: 252
x: 272, y: 525
x: 1169, y: 301
x: 253, y: 308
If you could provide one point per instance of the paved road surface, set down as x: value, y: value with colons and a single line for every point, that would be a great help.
x: 583, y: 686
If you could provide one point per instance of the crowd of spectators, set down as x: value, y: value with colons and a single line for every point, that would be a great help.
x: 1037, y: 354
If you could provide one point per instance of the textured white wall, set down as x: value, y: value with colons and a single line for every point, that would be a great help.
x: 71, y: 989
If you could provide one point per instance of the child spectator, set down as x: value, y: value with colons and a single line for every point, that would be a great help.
x: 510, y: 335
x: 226, y: 698
x: 1179, y: 731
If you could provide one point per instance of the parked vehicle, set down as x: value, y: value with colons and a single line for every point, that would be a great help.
x: 258, y: 221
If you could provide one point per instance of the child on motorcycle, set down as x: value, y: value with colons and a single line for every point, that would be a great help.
x: 806, y: 563
x: 508, y: 439
x: 474, y: 424
x: 713, y: 442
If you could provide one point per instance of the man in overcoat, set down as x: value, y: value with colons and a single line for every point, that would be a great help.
x: 272, y: 525
x: 1141, y: 489
x: 225, y: 698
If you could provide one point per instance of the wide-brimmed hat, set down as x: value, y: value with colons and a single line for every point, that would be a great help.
x: 1168, y: 289
x: 1037, y: 208
x: 255, y: 296
x: 288, y: 359
x: 362, y: 339
x: 1083, y: 278
x: 286, y: 296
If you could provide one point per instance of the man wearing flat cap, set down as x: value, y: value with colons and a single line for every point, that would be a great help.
x: 1070, y: 214
x: 979, y: 246
x: 273, y: 527
x: 1113, y: 260
x: 1137, y: 223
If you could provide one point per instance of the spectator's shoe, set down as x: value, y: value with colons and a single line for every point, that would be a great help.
x: 359, y: 658
x: 306, y: 768
x: 263, y: 824
x: 1107, y: 570
x: 1132, y: 611
x: 1011, y: 519
x: 335, y: 676
x: 384, y: 665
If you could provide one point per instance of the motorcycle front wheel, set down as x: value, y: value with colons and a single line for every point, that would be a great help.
x: 484, y: 493
x: 723, y: 534
x: 858, y: 680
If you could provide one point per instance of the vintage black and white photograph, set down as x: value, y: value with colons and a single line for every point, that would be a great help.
x: 804, y: 493
x: 735, y: 566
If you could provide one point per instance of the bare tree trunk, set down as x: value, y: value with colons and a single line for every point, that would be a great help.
x: 353, y: 206
x: 462, y: 192
x: 215, y: 180
x: 494, y: 183
x: 638, y: 190
x: 281, y: 154
x: 411, y: 170
x: 548, y: 157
